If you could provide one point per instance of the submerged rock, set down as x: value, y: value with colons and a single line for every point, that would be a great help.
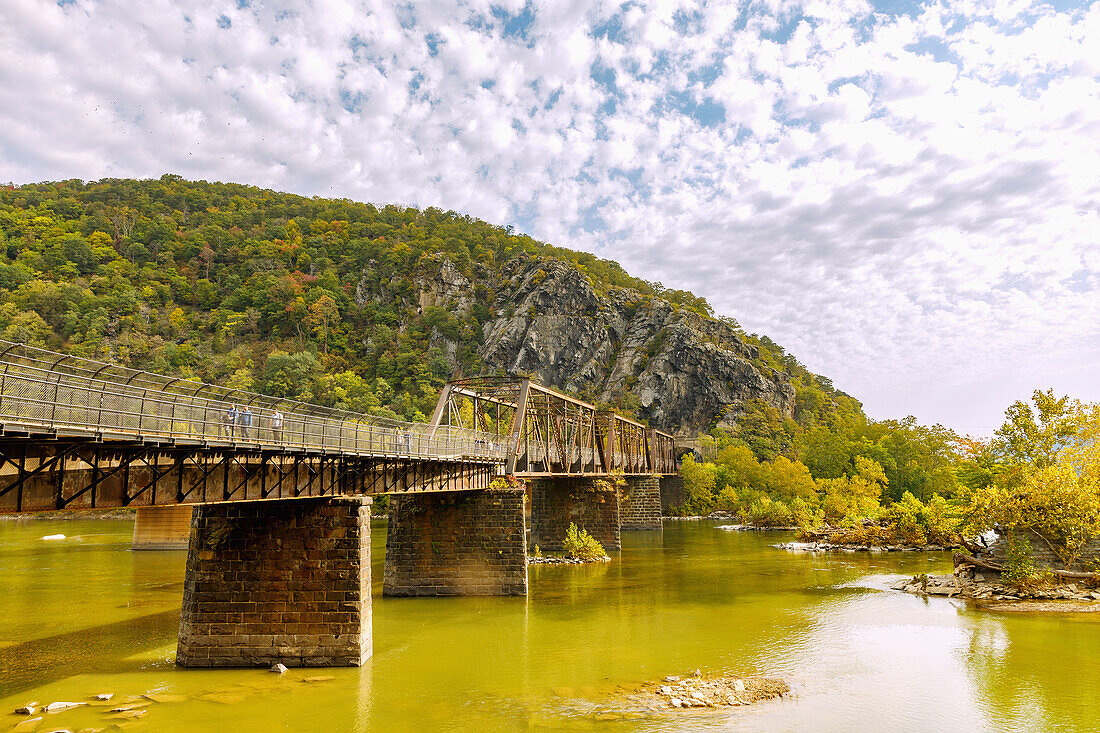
x: 278, y: 668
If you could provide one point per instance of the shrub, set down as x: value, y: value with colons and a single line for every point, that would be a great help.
x: 1020, y: 569
x: 581, y: 545
x: 768, y: 513
x: 727, y: 500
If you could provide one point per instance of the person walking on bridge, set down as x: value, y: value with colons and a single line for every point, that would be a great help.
x: 229, y: 422
x: 244, y: 420
x: 277, y: 426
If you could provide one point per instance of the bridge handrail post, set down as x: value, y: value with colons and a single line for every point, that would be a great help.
x: 99, y: 409
x: 53, y: 406
x: 141, y: 410
x: 3, y: 381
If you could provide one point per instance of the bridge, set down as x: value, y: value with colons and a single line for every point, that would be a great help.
x: 278, y: 565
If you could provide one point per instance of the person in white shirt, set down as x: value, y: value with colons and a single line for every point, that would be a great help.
x: 277, y: 426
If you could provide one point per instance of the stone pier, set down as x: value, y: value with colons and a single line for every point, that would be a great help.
x: 640, y: 503
x: 284, y: 581
x: 591, y: 504
x: 458, y: 543
x: 672, y: 493
x: 162, y: 528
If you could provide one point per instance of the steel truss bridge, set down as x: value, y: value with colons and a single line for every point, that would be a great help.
x: 551, y: 434
x: 77, y: 434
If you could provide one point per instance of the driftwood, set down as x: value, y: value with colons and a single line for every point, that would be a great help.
x: 972, y: 549
x: 960, y: 559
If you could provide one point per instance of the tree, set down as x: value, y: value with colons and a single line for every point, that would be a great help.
x: 323, y: 312
x: 699, y: 486
x: 1053, y: 503
x: 28, y: 328
x: 1047, y: 485
x: 854, y: 496
x: 1033, y: 436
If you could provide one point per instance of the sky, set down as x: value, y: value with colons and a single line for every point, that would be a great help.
x: 905, y: 196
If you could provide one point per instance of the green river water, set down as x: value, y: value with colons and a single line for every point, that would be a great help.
x: 86, y: 615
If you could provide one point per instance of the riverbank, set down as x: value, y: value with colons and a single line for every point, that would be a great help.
x: 832, y: 547
x: 986, y: 592
x: 69, y: 515
x: 719, y: 515
x: 557, y: 560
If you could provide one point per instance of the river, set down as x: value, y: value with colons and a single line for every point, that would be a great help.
x: 85, y: 615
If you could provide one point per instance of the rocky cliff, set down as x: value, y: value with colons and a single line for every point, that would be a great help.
x: 547, y: 320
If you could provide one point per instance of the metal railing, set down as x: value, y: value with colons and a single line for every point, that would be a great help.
x: 42, y: 390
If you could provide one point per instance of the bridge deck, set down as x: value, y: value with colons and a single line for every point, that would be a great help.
x: 42, y: 395
x: 77, y: 433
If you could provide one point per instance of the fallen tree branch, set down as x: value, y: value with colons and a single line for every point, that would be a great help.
x: 972, y: 549
x: 961, y: 558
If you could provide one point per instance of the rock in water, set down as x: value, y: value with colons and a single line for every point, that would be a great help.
x: 28, y: 709
x: 278, y: 668
x: 104, y: 696
x: 54, y: 537
x: 55, y: 706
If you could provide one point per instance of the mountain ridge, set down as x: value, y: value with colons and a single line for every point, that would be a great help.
x: 369, y: 308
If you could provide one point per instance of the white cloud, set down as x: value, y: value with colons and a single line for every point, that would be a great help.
x: 908, y: 202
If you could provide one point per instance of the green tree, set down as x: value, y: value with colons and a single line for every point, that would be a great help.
x: 322, y: 314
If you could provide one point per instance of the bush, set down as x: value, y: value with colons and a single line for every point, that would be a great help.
x: 727, y: 500
x: 581, y: 545
x: 768, y: 513
x: 1020, y: 569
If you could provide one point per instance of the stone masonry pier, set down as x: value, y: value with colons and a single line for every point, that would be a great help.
x: 462, y: 543
x: 278, y: 582
x: 591, y: 504
x: 672, y: 493
x: 640, y: 503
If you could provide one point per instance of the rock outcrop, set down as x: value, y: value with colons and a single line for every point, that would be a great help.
x: 547, y: 321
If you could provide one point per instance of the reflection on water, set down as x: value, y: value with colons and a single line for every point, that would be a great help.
x: 86, y: 615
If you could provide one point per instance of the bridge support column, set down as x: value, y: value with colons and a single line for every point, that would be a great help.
x: 456, y: 543
x: 162, y: 528
x: 591, y: 504
x: 640, y: 505
x: 278, y: 582
x: 672, y: 493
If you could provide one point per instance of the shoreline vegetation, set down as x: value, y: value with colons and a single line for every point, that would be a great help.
x: 861, y: 485
x: 71, y: 514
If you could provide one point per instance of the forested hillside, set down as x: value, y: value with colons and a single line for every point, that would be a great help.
x: 373, y: 309
x: 370, y: 309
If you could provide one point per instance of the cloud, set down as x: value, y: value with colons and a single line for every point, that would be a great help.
x: 907, y: 200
